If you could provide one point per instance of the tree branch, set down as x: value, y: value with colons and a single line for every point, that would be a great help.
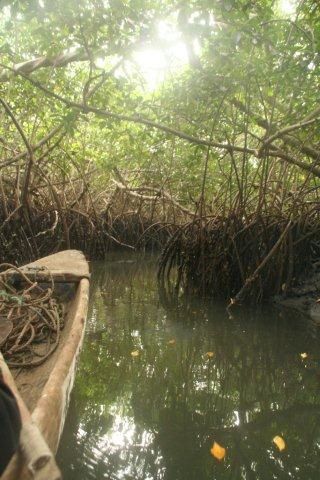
x: 35, y: 147
x: 29, y: 166
x: 30, y: 66
x: 276, y: 153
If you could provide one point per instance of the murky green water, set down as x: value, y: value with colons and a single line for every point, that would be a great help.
x: 156, y: 415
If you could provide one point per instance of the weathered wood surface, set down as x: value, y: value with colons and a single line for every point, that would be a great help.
x: 6, y: 327
x: 33, y: 448
x: 51, y: 409
x: 50, y: 386
x: 65, y: 266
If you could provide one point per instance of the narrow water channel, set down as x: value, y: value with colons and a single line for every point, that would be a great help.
x: 157, y: 384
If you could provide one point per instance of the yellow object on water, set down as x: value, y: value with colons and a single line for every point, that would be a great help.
x: 217, y: 451
x: 279, y: 442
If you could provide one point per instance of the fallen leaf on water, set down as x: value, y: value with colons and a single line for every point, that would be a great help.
x: 172, y: 342
x: 303, y: 355
x: 217, y: 451
x: 279, y: 442
x: 210, y: 354
x: 135, y: 353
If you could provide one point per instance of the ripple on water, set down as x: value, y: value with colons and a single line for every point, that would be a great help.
x: 155, y: 415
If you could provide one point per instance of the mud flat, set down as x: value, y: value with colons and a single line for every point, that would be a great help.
x: 305, y: 296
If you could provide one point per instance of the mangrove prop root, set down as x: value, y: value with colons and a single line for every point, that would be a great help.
x: 245, y: 258
x: 37, y: 318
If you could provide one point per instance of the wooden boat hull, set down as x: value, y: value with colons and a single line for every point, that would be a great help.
x: 51, y: 409
x: 51, y: 406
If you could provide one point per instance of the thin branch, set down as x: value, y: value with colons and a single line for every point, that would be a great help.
x: 276, y: 153
x: 35, y: 147
x: 288, y: 129
x: 29, y: 166
x: 30, y: 66
x: 121, y: 184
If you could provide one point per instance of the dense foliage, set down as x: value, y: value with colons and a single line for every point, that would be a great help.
x: 230, y: 130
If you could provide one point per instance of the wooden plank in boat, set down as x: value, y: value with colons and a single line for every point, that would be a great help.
x: 51, y: 390
x: 65, y: 266
x: 34, y: 454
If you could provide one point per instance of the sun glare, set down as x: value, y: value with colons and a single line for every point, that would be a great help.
x: 154, y: 64
x: 166, y: 56
x: 288, y: 7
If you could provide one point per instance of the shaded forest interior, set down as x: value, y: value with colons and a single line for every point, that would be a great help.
x: 215, y: 163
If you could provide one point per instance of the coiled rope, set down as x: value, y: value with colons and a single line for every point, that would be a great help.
x: 31, y: 318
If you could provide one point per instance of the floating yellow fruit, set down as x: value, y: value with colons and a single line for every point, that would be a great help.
x: 279, y: 442
x: 210, y: 354
x: 217, y: 451
x: 172, y: 342
x: 303, y: 355
x: 135, y: 353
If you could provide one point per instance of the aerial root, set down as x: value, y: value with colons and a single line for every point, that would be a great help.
x: 238, y: 258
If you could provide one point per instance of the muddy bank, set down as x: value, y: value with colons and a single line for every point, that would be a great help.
x: 305, y: 296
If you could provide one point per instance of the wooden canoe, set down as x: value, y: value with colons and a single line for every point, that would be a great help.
x: 44, y: 391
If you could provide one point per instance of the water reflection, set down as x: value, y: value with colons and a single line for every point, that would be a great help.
x: 156, y: 415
